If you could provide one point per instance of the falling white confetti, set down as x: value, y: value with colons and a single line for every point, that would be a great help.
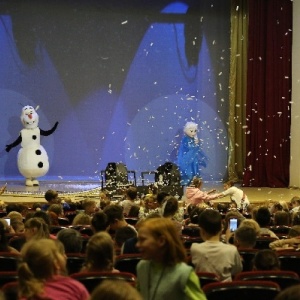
x: 125, y: 22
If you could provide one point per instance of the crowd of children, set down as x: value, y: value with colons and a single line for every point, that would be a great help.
x: 154, y: 226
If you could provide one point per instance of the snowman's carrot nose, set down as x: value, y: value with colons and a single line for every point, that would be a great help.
x: 30, y: 116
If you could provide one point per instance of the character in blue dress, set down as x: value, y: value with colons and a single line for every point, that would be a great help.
x: 190, y: 155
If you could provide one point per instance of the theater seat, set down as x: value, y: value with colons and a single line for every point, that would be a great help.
x: 241, y: 290
x: 92, y: 279
x: 283, y: 278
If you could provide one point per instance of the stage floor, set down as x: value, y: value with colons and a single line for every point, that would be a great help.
x: 76, y: 190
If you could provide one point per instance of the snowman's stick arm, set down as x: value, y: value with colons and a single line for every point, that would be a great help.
x: 48, y: 132
x: 14, y: 144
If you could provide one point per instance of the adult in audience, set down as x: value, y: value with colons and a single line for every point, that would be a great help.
x: 42, y: 273
x: 212, y: 255
x: 163, y: 263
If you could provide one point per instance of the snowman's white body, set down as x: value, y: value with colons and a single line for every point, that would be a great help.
x: 32, y: 157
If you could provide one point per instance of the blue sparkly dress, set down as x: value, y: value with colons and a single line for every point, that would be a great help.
x: 190, y: 159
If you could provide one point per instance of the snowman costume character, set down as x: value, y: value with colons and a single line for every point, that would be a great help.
x: 190, y: 156
x: 32, y: 157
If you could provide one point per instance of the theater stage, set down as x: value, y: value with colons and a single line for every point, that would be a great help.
x: 76, y: 190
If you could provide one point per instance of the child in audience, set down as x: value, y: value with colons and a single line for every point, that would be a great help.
x: 245, y: 237
x: 163, y: 273
x: 36, y: 228
x: 212, y: 255
x: 42, y: 273
x: 100, y: 253
x: 107, y: 291
x: 266, y: 260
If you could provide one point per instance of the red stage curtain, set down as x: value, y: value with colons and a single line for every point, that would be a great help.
x: 268, y: 94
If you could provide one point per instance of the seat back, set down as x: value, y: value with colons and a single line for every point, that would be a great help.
x: 245, y: 290
x: 127, y: 262
x: 9, y: 261
x: 10, y: 290
x: 92, y: 279
x: 75, y: 262
x: 191, y: 231
x: 283, y: 278
x: 247, y: 256
x: 8, y: 276
x: 263, y: 242
x: 206, y: 278
x: 289, y: 261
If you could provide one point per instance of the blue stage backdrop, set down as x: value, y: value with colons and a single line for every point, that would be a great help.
x: 121, y: 77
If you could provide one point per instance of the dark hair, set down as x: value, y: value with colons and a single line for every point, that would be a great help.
x: 171, y: 206
x: 210, y: 221
x: 281, y: 218
x: 12, y: 207
x: 123, y: 234
x: 131, y: 193
x: 246, y: 236
x: 42, y: 215
x: 263, y: 216
x: 266, y: 260
x: 113, y: 212
x: 50, y: 195
x: 161, y: 197
x: 3, y: 239
x: 99, y: 221
x: 71, y: 239
x: 290, y: 293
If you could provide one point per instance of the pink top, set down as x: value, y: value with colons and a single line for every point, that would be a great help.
x: 195, y: 196
x: 63, y: 287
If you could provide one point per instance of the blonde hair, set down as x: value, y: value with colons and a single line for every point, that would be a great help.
x: 40, y: 262
x: 174, y: 251
x: 82, y: 219
x: 42, y: 229
x: 251, y: 223
x: 100, y: 252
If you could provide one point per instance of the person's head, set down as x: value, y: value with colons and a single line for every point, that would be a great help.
x: 266, y: 260
x: 196, y: 182
x: 40, y: 262
x: 295, y: 201
x: 210, y: 223
x: 161, y: 196
x: 131, y: 193
x: 36, y: 228
x: 281, y: 218
x: 82, y: 219
x: 263, y: 216
x: 17, y: 225
x: 99, y: 221
x: 195, y: 213
x: 71, y: 239
x: 43, y: 215
x: 276, y: 206
x: 56, y: 208
x: 251, y: 223
x: 158, y: 240
x: 107, y: 290
x: 51, y: 196
x: 100, y: 253
x: 123, y: 234
x: 12, y: 207
x: 170, y: 207
x: 150, y: 201
x: 191, y: 129
x: 89, y: 206
x: 245, y: 237
x: 289, y: 293
x: 15, y: 215
x: 228, y: 184
x: 114, y: 215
